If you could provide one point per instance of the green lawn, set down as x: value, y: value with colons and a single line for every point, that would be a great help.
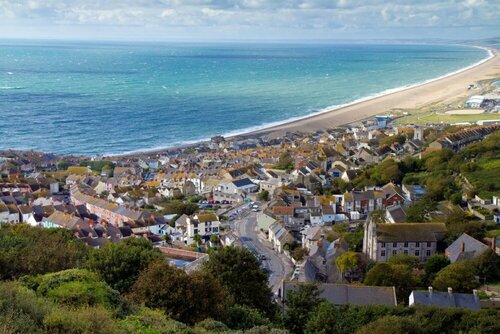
x: 433, y: 117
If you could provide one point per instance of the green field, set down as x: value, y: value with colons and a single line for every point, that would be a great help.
x: 433, y: 117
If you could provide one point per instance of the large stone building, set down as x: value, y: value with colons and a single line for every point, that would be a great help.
x: 381, y: 241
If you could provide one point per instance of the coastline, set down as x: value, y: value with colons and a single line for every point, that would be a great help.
x: 413, y: 96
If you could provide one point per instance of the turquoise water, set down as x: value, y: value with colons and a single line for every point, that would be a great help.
x: 94, y: 98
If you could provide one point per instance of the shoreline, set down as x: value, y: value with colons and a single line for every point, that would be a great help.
x: 404, y: 97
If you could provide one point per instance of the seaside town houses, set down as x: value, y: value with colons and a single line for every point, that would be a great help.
x: 310, y: 197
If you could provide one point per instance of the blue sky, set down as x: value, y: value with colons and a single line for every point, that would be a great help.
x: 249, y: 19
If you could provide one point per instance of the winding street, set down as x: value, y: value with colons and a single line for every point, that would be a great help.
x: 278, y: 265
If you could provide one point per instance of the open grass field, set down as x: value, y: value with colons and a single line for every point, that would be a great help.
x: 434, y: 117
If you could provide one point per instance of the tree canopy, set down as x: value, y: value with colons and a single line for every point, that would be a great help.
x: 239, y: 272
x: 119, y: 264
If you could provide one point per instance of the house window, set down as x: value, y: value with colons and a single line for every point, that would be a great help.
x: 383, y: 245
x: 382, y: 253
x: 215, y: 229
x: 394, y: 244
x: 394, y: 252
x: 406, y: 252
x: 429, y: 244
x: 417, y: 252
x: 417, y: 244
x: 428, y: 253
x: 195, y: 231
x: 406, y: 244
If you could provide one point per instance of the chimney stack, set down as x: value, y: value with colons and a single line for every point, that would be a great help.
x: 450, y: 290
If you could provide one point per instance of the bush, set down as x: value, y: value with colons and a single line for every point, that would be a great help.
x: 391, y: 325
x: 76, y: 287
x: 82, y: 320
x: 244, y: 317
x: 211, y: 326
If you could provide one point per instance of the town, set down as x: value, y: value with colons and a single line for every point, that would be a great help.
x: 322, y: 207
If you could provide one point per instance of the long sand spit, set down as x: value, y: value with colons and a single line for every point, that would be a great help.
x: 442, y: 89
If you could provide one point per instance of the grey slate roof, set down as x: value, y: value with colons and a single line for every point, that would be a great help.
x: 397, y: 213
x: 243, y: 182
x: 465, y: 248
x: 343, y: 294
x: 446, y: 299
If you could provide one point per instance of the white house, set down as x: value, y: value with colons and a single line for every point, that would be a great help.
x: 234, y: 191
x: 474, y: 101
x: 203, y: 224
x: 279, y: 236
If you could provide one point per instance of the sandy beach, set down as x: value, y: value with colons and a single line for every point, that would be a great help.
x: 452, y: 86
x: 449, y: 87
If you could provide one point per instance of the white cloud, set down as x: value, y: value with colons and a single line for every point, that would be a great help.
x: 233, y: 16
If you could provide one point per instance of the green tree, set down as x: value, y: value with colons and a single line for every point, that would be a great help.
x: 461, y: 276
x: 410, y: 261
x: 187, y: 298
x: 263, y: 196
x: 476, y: 230
x: 417, y: 213
x: 300, y: 305
x: 240, y: 317
x: 323, y: 319
x: 241, y: 275
x: 119, y: 264
x: 433, y: 265
x: 488, y: 266
x: 198, y: 240
x: 26, y: 250
x: 214, y: 238
x: 347, y: 263
x: 62, y: 165
x: 399, y: 276
x: 299, y: 253
x: 391, y: 325
x: 286, y: 162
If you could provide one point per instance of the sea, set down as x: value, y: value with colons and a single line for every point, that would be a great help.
x: 97, y: 98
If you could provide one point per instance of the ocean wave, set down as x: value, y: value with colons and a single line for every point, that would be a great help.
x: 11, y: 87
x: 331, y: 108
x: 270, y: 125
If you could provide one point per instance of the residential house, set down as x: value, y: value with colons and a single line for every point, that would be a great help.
x: 395, y: 214
x: 279, y: 237
x: 264, y: 221
x: 320, y: 264
x: 448, y: 299
x: 202, y: 224
x: 363, y: 201
x: 381, y: 241
x: 343, y: 294
x: 235, y: 191
x: 465, y: 248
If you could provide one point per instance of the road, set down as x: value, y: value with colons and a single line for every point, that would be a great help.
x: 278, y: 265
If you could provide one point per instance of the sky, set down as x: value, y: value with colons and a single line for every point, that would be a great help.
x: 211, y: 20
